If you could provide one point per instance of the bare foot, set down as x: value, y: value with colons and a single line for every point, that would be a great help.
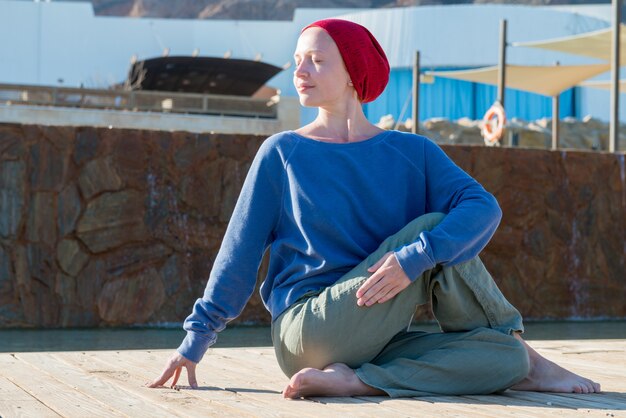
x: 546, y: 376
x: 335, y: 380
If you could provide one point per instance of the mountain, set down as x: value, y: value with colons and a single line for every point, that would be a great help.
x: 271, y: 9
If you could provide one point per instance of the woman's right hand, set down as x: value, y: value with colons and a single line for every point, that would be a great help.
x: 173, y: 367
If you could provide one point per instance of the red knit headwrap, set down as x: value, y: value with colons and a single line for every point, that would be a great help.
x: 365, y: 60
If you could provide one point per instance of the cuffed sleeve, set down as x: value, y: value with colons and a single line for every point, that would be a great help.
x: 195, y: 345
x: 415, y: 258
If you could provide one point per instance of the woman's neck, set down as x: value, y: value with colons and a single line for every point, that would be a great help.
x: 346, y: 125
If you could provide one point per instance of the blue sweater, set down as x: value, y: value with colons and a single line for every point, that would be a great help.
x: 321, y: 208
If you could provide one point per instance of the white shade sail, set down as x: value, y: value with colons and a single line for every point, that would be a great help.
x: 596, y: 44
x: 604, y: 85
x: 545, y: 80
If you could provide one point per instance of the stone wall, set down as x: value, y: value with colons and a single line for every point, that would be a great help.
x: 109, y: 227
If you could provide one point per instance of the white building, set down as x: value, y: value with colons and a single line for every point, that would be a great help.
x: 64, y: 43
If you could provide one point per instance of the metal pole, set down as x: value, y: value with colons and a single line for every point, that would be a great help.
x: 555, y: 119
x: 416, y: 93
x: 555, y: 122
x: 502, y: 63
x: 502, y: 70
x: 614, y: 126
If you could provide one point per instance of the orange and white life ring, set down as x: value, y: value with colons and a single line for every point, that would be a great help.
x: 493, y: 124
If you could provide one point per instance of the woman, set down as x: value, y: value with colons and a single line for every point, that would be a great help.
x: 354, y: 219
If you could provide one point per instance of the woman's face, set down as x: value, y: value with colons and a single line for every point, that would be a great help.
x: 320, y: 77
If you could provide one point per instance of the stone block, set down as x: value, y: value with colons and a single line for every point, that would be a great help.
x: 41, y: 226
x: 161, y: 202
x: 61, y: 137
x: 41, y: 307
x: 192, y: 149
x: 131, y: 259
x: 132, y: 300
x: 99, y: 176
x: 34, y: 297
x: 72, y: 316
x: 112, y: 220
x: 174, y: 273
x: 12, y: 190
x: 234, y: 174
x: 132, y: 155
x: 88, y: 286
x: 49, y: 167
x: 22, y: 273
x: 12, y: 143
x: 68, y: 209
x: 188, y: 232
x: 71, y: 257
x: 236, y: 147
x: 195, y: 267
x: 41, y: 264
x: 6, y: 272
x: 65, y: 287
x: 11, y: 314
x: 202, y: 188
x: 86, y: 145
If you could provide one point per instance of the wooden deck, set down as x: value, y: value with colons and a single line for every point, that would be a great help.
x: 247, y: 382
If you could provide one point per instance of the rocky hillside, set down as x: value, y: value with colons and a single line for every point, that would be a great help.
x: 268, y: 9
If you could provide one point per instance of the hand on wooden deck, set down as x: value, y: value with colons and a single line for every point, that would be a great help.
x: 173, y: 367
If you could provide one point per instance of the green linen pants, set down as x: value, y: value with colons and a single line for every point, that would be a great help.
x: 475, y: 354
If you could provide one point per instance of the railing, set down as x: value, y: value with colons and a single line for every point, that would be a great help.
x: 137, y: 100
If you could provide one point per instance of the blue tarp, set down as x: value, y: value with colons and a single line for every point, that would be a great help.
x: 454, y: 99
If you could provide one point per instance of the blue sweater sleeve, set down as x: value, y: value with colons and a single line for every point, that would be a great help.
x: 473, y: 215
x: 233, y: 276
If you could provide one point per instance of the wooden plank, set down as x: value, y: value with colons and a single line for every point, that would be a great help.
x: 353, y: 407
x: 420, y: 407
x: 621, y: 396
x: 539, y: 406
x: 557, y: 400
x: 15, y: 402
x: 604, y: 402
x: 57, y: 396
x: 92, y: 385
x: 257, y: 397
x: 264, y: 367
x: 130, y: 378
x: 602, y: 368
x: 468, y: 406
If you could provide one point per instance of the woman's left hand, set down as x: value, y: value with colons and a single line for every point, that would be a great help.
x: 388, y: 280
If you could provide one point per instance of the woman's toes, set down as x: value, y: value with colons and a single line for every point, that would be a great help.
x: 287, y: 392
